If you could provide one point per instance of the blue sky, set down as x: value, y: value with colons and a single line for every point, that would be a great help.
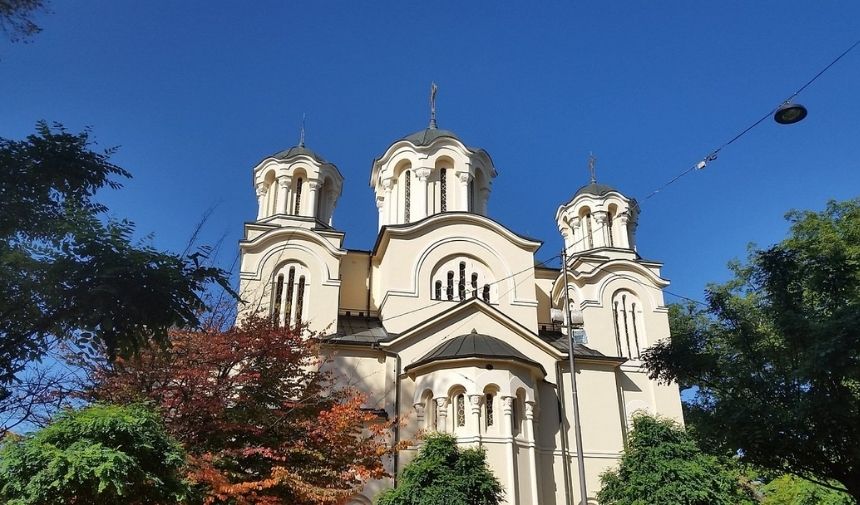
x: 195, y: 93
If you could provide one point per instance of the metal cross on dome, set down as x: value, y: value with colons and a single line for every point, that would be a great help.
x: 433, y: 89
x: 592, y: 163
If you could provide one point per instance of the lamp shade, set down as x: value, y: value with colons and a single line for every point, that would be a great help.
x: 789, y: 113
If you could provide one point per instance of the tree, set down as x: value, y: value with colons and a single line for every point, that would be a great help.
x: 261, y: 424
x: 443, y: 474
x: 662, y: 465
x: 791, y: 490
x: 16, y: 18
x: 101, y: 454
x: 774, y: 357
x: 69, y: 274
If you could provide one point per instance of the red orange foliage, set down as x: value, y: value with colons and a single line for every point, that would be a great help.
x: 261, y: 423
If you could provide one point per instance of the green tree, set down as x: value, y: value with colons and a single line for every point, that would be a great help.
x: 774, y: 357
x: 101, y: 454
x: 16, y: 18
x: 68, y: 272
x: 662, y: 465
x: 443, y: 474
x: 792, y: 490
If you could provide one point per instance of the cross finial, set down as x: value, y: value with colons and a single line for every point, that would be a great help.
x: 433, y: 89
x: 592, y: 162
x: 302, y: 133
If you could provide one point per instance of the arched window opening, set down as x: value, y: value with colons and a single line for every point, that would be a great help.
x: 443, y: 189
x: 609, y: 229
x: 628, y: 326
x: 450, y: 290
x: 407, y: 188
x: 276, y: 303
x: 486, y: 293
x: 515, y: 417
x: 489, y: 415
x: 291, y: 280
x: 588, y: 230
x: 429, y: 412
x: 472, y: 206
x: 300, y: 299
x: 437, y: 291
x: 298, y: 200
x: 461, y: 411
x: 273, y: 198
x: 474, y: 285
x: 462, y: 284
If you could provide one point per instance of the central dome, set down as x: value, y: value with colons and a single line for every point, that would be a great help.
x: 426, y: 136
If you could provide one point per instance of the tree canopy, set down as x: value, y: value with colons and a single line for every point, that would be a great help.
x: 444, y: 474
x: 662, y: 465
x: 67, y: 271
x: 101, y: 454
x: 774, y: 357
x: 261, y: 424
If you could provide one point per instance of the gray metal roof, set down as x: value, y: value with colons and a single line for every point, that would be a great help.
x: 358, y: 330
x: 594, y: 189
x: 560, y: 341
x: 299, y: 151
x: 474, y: 345
x: 426, y: 136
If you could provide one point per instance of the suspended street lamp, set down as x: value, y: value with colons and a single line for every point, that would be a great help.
x: 789, y: 113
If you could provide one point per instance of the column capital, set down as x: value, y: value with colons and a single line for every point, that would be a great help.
x: 422, y: 173
x: 387, y: 184
x: 284, y: 181
x: 600, y: 216
x: 313, y: 184
x: 441, y: 402
x: 464, y: 177
x: 531, y: 410
x: 261, y: 189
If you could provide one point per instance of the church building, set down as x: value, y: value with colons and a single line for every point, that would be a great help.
x: 449, y: 323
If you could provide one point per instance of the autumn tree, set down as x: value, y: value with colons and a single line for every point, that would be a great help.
x: 102, y: 454
x: 773, y: 359
x: 261, y: 423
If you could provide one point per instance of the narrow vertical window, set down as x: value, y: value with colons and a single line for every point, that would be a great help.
x: 488, y: 409
x: 617, y: 329
x: 288, y: 311
x: 486, y: 293
x: 276, y: 303
x: 635, y: 331
x: 515, y: 416
x: 588, y: 230
x: 443, y: 189
x: 407, y: 187
x: 300, y: 298
x: 474, y: 285
x: 298, y: 196
x: 437, y: 291
x: 626, y: 327
x: 461, y: 286
x: 450, y: 287
x: 472, y: 195
x: 609, y: 229
x: 461, y: 410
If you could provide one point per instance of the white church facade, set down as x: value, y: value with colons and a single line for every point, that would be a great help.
x: 449, y: 323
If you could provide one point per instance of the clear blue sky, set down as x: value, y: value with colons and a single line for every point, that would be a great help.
x: 195, y: 93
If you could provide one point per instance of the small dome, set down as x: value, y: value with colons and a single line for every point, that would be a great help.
x: 594, y: 189
x: 299, y: 151
x: 474, y: 345
x: 426, y: 136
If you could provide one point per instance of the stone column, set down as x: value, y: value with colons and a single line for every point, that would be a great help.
x: 419, y: 414
x: 380, y: 208
x: 475, y: 418
x: 577, y: 239
x: 419, y: 194
x: 261, y: 200
x: 532, y: 440
x: 463, y: 203
x: 442, y: 414
x: 313, y: 188
x: 508, y: 426
x: 601, y: 233
x: 283, y: 194
x: 622, y: 220
x: 390, y: 211
x: 485, y: 198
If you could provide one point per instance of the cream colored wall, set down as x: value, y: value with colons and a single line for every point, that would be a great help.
x: 354, y: 275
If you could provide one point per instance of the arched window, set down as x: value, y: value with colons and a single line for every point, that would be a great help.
x: 462, y: 284
x: 291, y: 281
x: 460, y: 406
x: 588, y: 230
x: 407, y: 188
x: 472, y: 195
x: 443, y: 189
x: 450, y: 290
x: 629, y: 331
x: 489, y: 407
x: 300, y: 299
x: 298, y: 200
x: 437, y: 291
x: 474, y: 285
x: 277, y: 292
x: 609, y: 229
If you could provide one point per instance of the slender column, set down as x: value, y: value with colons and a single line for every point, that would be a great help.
x: 389, y: 209
x: 313, y: 189
x: 530, y: 434
x: 463, y: 203
x: 442, y: 414
x: 283, y: 193
x: 577, y: 238
x: 475, y: 418
x: 485, y: 198
x: 601, y: 238
x: 623, y: 239
x: 380, y: 209
x: 419, y: 414
x: 419, y: 194
x: 261, y: 200
x: 508, y: 415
